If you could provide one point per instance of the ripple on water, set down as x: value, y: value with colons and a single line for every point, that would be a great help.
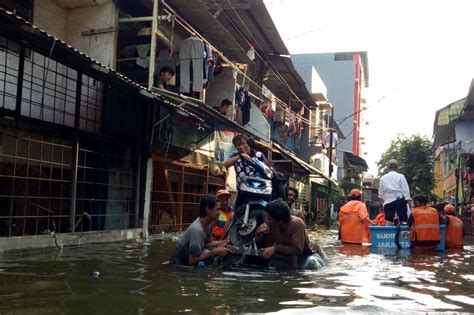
x: 322, y: 292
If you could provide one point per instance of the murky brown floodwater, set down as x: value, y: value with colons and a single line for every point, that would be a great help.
x: 135, y: 281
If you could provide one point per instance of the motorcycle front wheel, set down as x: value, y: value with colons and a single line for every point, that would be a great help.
x: 241, y: 235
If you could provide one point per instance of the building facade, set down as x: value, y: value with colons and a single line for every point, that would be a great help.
x: 89, y: 141
x: 346, y: 76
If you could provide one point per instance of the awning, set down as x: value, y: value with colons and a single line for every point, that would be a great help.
x: 201, y: 109
x: 302, y: 166
x: 355, y: 162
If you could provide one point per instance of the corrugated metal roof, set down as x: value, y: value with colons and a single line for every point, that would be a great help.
x: 355, y: 162
x: 305, y: 166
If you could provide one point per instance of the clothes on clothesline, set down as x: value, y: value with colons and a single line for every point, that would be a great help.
x: 191, y: 58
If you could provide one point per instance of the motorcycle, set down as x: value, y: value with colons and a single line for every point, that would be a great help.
x: 257, y: 191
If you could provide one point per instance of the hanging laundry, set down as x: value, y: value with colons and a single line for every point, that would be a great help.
x: 246, y: 108
x: 129, y: 51
x: 143, y: 62
x: 191, y: 58
x: 279, y: 115
x: 209, y: 63
x: 292, y: 124
x: 143, y: 50
x: 240, y: 96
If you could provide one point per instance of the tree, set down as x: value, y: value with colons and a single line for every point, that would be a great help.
x: 415, y: 158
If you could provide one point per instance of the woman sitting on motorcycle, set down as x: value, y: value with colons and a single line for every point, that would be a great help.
x: 241, y: 163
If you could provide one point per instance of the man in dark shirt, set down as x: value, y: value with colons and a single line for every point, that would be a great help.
x: 166, y: 76
x: 191, y: 247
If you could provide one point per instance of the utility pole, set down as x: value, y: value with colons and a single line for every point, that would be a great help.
x: 328, y: 200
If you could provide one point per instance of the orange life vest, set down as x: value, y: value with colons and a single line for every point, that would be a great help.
x: 454, y: 233
x: 353, y: 218
x: 425, y: 226
x: 219, y: 226
x: 380, y: 219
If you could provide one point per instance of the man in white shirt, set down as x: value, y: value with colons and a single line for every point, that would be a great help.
x: 394, y: 194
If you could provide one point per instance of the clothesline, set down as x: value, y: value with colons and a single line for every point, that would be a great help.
x: 192, y: 31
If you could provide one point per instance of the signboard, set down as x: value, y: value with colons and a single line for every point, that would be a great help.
x: 224, y: 148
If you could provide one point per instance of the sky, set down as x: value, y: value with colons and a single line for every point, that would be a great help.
x: 420, y: 54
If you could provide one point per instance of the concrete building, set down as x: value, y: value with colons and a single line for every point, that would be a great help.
x: 93, y: 150
x: 454, y: 159
x: 345, y: 76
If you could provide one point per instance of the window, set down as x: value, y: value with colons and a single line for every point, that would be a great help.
x: 35, y: 181
x: 92, y: 95
x: 448, y: 161
x: 23, y: 8
x: 9, y: 62
x: 106, y: 181
x: 49, y: 90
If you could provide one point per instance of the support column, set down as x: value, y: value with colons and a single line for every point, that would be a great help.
x: 75, y: 155
x: 138, y: 179
x: 148, y: 192
x: 154, y: 31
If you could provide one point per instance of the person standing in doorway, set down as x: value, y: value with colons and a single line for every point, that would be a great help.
x: 394, y: 194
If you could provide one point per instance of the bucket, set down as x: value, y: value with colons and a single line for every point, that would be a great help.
x: 383, y: 237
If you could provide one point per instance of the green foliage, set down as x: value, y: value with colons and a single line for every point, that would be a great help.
x: 415, y: 158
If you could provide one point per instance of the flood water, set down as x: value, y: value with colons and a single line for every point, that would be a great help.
x: 135, y: 280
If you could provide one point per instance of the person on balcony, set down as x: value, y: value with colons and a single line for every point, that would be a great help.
x: 224, y: 107
x: 165, y: 80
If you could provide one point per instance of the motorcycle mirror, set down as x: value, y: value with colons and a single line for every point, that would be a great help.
x: 252, y: 144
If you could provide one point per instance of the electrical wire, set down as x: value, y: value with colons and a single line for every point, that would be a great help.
x: 187, y: 27
x: 277, y: 73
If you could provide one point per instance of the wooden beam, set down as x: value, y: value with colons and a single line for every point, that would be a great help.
x: 154, y: 31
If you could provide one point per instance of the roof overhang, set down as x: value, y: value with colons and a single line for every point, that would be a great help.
x: 355, y: 162
x: 301, y: 166
x: 32, y: 36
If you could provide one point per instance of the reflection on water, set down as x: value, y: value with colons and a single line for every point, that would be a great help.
x: 136, y: 280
